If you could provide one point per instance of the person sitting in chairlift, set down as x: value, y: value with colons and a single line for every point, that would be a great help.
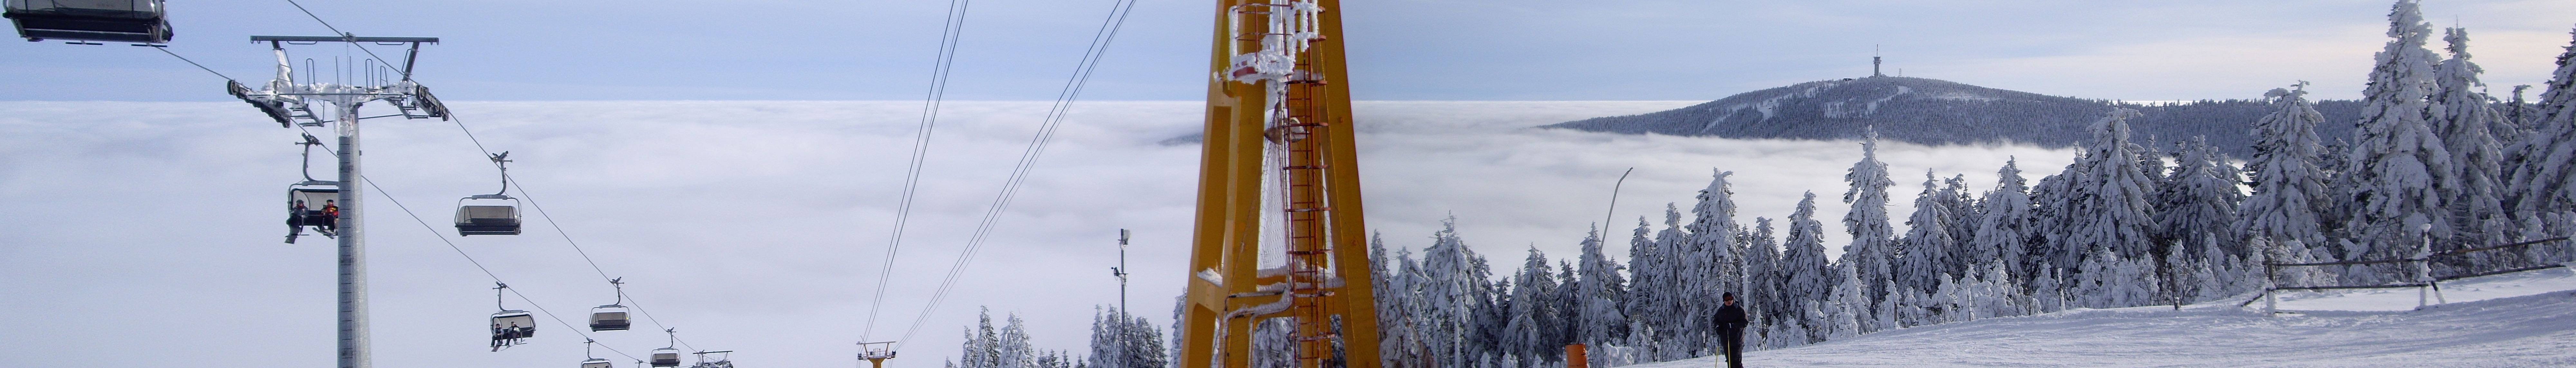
x: 331, y: 215
x: 295, y: 213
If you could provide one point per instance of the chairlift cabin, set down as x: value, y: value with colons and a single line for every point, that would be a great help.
x: 610, y: 317
x: 597, y: 363
x: 511, y: 325
x: 138, y: 21
x: 666, y: 357
x: 714, y: 359
x: 487, y: 214
x: 309, y: 204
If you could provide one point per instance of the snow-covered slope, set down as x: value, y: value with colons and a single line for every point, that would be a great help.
x: 2529, y: 322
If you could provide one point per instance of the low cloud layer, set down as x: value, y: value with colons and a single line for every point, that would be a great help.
x: 760, y: 226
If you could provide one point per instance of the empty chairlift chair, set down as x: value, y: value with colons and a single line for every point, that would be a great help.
x: 666, y: 357
x: 597, y: 363
x: 90, y: 20
x: 487, y: 214
x: 610, y: 317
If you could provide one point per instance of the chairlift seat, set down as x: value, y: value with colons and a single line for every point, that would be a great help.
x: 597, y: 363
x: 513, y: 325
x: 610, y: 317
x: 488, y: 216
x: 666, y: 357
x: 90, y: 20
x: 315, y: 196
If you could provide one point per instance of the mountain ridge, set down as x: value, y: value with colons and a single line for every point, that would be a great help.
x: 1939, y: 112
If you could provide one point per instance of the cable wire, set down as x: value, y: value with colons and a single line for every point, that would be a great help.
x: 166, y: 50
x: 469, y: 258
x: 1072, y: 91
x: 950, y: 33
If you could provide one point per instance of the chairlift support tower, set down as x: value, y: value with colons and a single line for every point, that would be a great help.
x: 1279, y: 130
x: 293, y: 103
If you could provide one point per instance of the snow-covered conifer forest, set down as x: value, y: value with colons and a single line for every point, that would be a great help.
x: 2433, y: 164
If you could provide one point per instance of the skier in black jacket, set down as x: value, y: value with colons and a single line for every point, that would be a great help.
x: 1730, y: 331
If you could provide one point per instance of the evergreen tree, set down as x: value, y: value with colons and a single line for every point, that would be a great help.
x: 2199, y: 200
x: 2004, y: 224
x: 1925, y: 252
x: 1013, y: 348
x: 2284, y: 217
x: 1533, y: 334
x: 2544, y: 179
x: 1963, y: 211
x: 2396, y: 156
x: 1810, y: 281
x: 2468, y: 122
x: 1458, y: 288
x: 1717, y: 265
x: 1651, y: 302
x: 983, y: 346
x: 1762, y: 283
x: 1599, y: 292
x: 2103, y: 209
x: 1873, y: 240
x: 1120, y: 340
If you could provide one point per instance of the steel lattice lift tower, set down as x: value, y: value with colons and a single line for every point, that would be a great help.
x: 1279, y: 143
x: 293, y: 104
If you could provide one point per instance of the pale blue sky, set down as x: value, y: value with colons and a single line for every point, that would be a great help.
x: 1400, y: 49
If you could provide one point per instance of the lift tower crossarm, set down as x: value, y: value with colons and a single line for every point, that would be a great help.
x: 293, y: 103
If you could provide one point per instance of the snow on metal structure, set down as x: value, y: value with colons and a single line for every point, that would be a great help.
x: 292, y: 104
x: 1279, y: 178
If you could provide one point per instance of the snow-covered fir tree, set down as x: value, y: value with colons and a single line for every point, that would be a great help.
x: 1457, y: 296
x: 2396, y: 159
x: 2284, y: 216
x: 1533, y: 335
x: 1808, y: 281
x: 1873, y: 240
x: 1397, y: 338
x: 2003, y: 223
x: 2467, y: 120
x: 1716, y: 262
x: 1598, y: 292
x: 2196, y: 209
x: 1762, y: 282
x: 2543, y: 191
x: 2106, y: 208
x: 1121, y: 340
x: 1923, y: 256
x: 1653, y: 291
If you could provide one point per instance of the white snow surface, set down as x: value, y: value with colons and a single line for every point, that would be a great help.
x: 2526, y: 319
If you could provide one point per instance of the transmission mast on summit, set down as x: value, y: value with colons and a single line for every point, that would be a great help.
x: 335, y: 104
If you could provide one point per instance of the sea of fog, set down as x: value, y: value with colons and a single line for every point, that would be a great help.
x: 143, y: 234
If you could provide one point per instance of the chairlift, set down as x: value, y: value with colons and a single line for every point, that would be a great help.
x: 593, y: 362
x: 509, y: 326
x: 611, y: 317
x: 90, y: 20
x: 668, y: 355
x: 720, y: 359
x: 487, y: 214
x: 490, y: 214
x: 312, y: 203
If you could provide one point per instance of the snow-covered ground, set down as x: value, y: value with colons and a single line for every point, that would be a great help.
x: 2517, y: 320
